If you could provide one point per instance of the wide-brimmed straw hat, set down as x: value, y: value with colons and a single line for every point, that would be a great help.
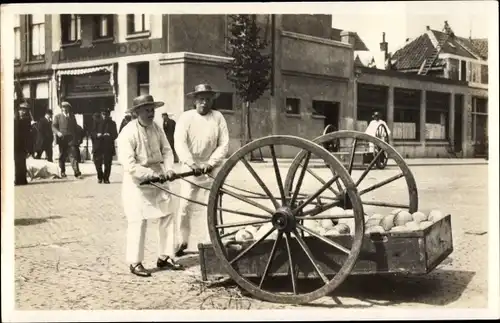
x: 203, y: 88
x: 143, y: 100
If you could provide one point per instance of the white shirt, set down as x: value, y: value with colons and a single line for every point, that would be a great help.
x: 201, y: 138
x: 374, y: 124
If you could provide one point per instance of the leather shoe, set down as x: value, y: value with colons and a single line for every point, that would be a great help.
x: 106, y: 181
x: 169, y: 263
x: 139, y: 270
x: 99, y: 181
x: 180, y: 252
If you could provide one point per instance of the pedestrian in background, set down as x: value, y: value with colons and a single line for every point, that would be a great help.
x: 68, y: 135
x: 103, y: 146
x: 22, y: 143
x: 202, y: 142
x: 144, y: 153
x: 169, y: 128
x: 44, y: 137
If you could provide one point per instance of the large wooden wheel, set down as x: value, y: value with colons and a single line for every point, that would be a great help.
x: 386, y: 193
x: 382, y: 134
x: 285, y: 211
x: 331, y: 146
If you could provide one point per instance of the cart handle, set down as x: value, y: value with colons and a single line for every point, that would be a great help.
x: 177, y: 176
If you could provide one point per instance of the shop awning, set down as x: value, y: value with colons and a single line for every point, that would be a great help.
x: 88, y: 70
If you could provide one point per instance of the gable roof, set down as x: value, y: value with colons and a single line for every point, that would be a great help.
x: 359, y: 44
x: 413, y: 54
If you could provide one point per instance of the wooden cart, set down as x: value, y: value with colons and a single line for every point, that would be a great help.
x: 295, y: 250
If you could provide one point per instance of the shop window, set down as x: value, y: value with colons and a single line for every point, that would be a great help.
x: 36, y: 37
x: 103, y: 26
x: 71, y: 28
x: 437, y: 116
x: 224, y: 101
x: 292, y: 106
x: 143, y: 78
x: 137, y: 24
x: 406, y: 124
x: 17, y: 38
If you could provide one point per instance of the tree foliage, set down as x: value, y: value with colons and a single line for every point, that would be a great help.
x: 250, y: 69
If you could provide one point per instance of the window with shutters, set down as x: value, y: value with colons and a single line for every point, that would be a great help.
x: 17, y: 38
x: 406, y: 114
x: 71, y: 28
x: 36, y: 37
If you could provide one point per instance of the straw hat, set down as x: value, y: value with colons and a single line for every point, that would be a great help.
x: 143, y: 100
x: 203, y: 88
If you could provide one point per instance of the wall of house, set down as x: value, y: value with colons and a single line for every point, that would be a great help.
x: 428, y: 148
x: 313, y: 25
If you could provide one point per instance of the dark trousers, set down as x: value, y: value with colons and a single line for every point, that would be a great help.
x: 73, y: 152
x: 100, y: 160
x: 48, y: 152
x: 171, y: 142
x: 20, y: 168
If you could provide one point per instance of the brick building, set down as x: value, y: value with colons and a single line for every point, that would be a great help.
x: 106, y: 60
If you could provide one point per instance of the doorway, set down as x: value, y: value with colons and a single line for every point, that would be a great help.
x: 459, y: 104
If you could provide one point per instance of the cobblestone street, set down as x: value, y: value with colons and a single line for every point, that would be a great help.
x: 70, y: 247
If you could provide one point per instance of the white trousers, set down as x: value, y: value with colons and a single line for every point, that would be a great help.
x: 188, y: 209
x: 136, y: 237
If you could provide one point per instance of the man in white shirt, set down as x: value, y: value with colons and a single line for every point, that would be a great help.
x: 144, y: 152
x: 374, y: 125
x: 201, y: 142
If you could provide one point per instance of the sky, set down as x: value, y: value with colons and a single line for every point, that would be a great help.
x: 401, y: 20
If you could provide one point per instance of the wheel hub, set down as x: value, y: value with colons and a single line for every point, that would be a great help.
x: 284, y: 220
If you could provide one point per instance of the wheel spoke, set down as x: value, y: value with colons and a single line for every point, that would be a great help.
x: 260, y: 182
x: 322, y: 181
x: 239, y: 224
x: 228, y: 234
x: 327, y: 217
x: 278, y: 175
x: 244, y: 252
x: 310, y: 256
x: 370, y: 166
x: 386, y: 204
x: 301, y: 178
x: 325, y: 240
x: 315, y: 195
x: 252, y: 215
x: 351, y: 161
x: 320, y: 209
x: 290, y: 261
x: 384, y: 182
x: 270, y: 260
x: 248, y: 201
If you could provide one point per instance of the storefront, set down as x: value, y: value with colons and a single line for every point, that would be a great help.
x: 88, y: 90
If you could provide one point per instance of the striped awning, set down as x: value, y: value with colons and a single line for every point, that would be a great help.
x: 88, y: 70
x: 82, y: 71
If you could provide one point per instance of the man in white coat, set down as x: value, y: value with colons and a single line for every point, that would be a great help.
x: 373, y: 127
x: 144, y: 152
x: 201, y: 142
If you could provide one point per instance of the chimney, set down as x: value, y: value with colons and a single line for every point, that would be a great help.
x: 384, y: 48
x: 427, y: 27
x: 348, y: 37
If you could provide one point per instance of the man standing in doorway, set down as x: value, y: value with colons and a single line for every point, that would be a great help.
x: 103, y: 149
x: 202, y: 142
x: 169, y: 128
x: 44, y: 137
x: 67, y: 132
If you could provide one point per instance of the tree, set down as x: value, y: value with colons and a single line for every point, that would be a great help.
x: 250, y: 69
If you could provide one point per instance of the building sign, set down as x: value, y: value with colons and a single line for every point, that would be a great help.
x: 108, y: 50
x: 96, y: 83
